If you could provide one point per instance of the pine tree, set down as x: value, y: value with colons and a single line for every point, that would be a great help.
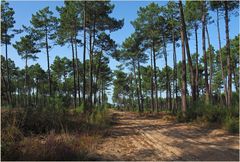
x: 44, y: 24
x: 7, y: 23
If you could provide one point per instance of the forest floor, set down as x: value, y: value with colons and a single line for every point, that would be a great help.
x: 133, y: 137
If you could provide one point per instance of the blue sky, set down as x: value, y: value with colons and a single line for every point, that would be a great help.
x: 123, y: 9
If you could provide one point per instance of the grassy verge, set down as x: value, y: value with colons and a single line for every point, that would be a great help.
x: 227, y: 118
x: 45, y: 134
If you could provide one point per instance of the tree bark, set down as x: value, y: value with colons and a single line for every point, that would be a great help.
x: 74, y: 75
x: 220, y: 57
x: 36, y: 92
x: 155, y: 77
x: 136, y: 82
x: 91, y: 45
x: 196, y: 78
x: 168, y: 88
x: 204, y: 52
x: 140, y: 85
x: 84, y: 59
x: 8, y: 76
x: 25, y: 83
x: 211, y: 66
x: 184, y: 78
x: 229, y: 70
x: 48, y: 63
x: 152, y: 97
x: 77, y: 69
x: 91, y: 64
x: 175, y: 69
x: 98, y: 71
x: 189, y: 57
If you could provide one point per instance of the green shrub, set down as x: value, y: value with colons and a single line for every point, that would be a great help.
x: 79, y: 109
x: 180, y: 118
x: 10, y: 136
x: 215, y: 114
x: 232, y: 124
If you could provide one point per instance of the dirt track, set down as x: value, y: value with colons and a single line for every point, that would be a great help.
x: 139, y: 138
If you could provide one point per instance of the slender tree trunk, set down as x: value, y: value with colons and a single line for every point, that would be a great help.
x: 211, y: 64
x: 229, y: 70
x: 184, y: 78
x: 155, y: 77
x: 102, y: 94
x: 236, y: 83
x: 196, y: 78
x: 5, y: 83
x: 193, y: 87
x: 136, y: 82
x: 84, y: 59
x: 140, y: 85
x: 98, y: 71
x: 175, y: 68
x: 152, y: 98
x: 91, y: 74
x: 77, y: 69
x: 91, y: 45
x: 36, y: 92
x: 220, y: 57
x: 204, y: 52
x: 74, y: 75
x: 26, y: 82
x: 169, y: 104
x: 8, y: 76
x: 48, y: 64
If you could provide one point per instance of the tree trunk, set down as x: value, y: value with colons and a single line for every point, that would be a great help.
x: 92, y: 49
x: 98, y: 71
x: 184, y: 78
x: 236, y: 83
x: 8, y: 76
x: 26, y: 82
x: 48, y: 64
x: 168, y: 94
x: 155, y: 77
x: 77, y: 69
x: 91, y: 64
x: 84, y: 59
x: 196, y: 78
x: 175, y: 68
x: 167, y: 74
x: 152, y: 98
x: 102, y: 94
x: 220, y: 57
x: 135, y: 78
x: 204, y: 52
x: 211, y: 64
x: 74, y: 75
x: 229, y: 70
x: 140, y: 85
x: 189, y: 58
x: 36, y: 92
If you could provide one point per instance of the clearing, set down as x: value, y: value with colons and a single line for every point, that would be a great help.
x: 149, y: 138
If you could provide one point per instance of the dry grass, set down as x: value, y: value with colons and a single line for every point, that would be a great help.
x: 57, y: 147
x: 75, y: 141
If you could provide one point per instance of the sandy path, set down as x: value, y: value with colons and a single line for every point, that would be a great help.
x: 138, y: 138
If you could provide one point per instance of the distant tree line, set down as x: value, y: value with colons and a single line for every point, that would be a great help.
x: 86, y: 24
x: 207, y: 78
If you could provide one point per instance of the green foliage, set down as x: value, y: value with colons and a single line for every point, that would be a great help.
x: 80, y: 109
x: 7, y: 22
x: 232, y: 124
x: 217, y: 114
x: 98, y: 117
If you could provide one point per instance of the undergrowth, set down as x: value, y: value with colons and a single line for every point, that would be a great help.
x: 227, y: 118
x: 50, y: 133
